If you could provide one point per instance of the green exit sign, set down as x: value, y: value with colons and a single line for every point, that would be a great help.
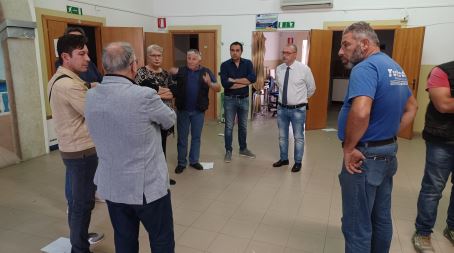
x: 74, y: 10
x: 286, y: 24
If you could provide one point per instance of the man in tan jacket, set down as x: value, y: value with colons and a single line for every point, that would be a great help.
x: 66, y: 93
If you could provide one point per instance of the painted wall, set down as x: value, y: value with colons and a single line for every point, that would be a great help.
x: 435, y: 15
x: 237, y: 18
x: 437, y: 20
x: 116, y: 12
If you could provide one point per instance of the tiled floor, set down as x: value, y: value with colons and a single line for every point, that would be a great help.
x: 244, y: 206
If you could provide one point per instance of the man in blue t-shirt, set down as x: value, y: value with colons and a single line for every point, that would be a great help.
x: 378, y: 104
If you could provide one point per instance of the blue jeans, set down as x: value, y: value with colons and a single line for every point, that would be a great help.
x: 81, y: 174
x: 297, y: 117
x: 157, y: 219
x: 366, y: 201
x: 189, y: 121
x: 439, y: 165
x: 235, y: 106
x: 68, y: 187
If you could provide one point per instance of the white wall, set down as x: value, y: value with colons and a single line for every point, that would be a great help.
x: 237, y: 19
x: 272, y: 52
x: 117, y: 12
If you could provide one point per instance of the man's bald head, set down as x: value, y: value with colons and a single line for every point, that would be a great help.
x: 117, y: 57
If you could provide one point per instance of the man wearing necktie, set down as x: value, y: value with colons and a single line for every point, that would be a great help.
x: 296, y: 84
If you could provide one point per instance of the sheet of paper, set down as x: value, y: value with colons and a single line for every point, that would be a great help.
x: 61, y: 245
x: 207, y: 165
x: 329, y: 129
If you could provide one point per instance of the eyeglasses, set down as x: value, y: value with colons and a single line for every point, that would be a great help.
x: 287, y: 52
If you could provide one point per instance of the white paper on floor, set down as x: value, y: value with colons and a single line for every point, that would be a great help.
x: 220, y: 134
x: 329, y: 129
x: 208, y: 165
x: 61, y: 245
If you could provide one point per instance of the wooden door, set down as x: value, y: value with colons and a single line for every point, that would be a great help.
x: 132, y: 35
x: 207, y: 47
x: 165, y: 41
x: 319, y: 61
x: 53, y: 29
x: 407, y: 51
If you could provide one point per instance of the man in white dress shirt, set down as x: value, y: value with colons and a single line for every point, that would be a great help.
x: 296, y: 84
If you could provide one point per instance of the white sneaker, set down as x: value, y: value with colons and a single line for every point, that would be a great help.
x: 95, y: 238
x: 422, y: 243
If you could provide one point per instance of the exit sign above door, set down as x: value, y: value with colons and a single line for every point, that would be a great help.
x: 74, y: 10
x: 286, y: 24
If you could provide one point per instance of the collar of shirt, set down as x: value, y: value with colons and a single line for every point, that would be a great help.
x: 116, y: 75
x: 241, y: 60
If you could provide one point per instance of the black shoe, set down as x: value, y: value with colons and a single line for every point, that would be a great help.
x: 296, y: 167
x: 172, y: 182
x: 197, y: 166
x: 179, y: 169
x: 280, y: 163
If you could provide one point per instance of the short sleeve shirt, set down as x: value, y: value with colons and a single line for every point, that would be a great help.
x: 382, y: 79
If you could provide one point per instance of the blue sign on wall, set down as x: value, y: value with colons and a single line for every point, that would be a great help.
x: 4, y: 102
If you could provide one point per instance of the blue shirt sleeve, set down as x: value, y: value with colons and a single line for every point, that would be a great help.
x: 225, y: 76
x: 251, y: 74
x: 213, y: 77
x: 363, y: 82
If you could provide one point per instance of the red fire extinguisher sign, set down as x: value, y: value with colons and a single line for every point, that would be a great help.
x: 162, y: 24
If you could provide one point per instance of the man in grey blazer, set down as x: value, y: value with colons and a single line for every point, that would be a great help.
x: 125, y: 121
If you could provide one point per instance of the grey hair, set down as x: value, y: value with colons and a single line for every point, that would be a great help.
x: 196, y: 52
x: 293, y: 46
x: 117, y: 56
x: 361, y: 30
x: 154, y: 47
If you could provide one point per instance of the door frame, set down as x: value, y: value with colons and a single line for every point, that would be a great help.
x: 174, y: 30
x: 42, y: 37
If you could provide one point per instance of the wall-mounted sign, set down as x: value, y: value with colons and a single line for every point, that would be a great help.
x: 266, y: 22
x: 74, y: 10
x: 287, y: 24
x: 162, y: 23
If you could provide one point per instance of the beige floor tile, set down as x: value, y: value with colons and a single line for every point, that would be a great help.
x: 196, y: 238
x: 185, y: 217
x: 184, y: 249
x: 244, y: 202
x: 249, y: 214
x: 228, y: 244
x: 280, y: 219
x: 307, y: 241
x: 240, y: 228
x: 222, y: 208
x: 271, y: 234
x: 210, y: 222
x: 263, y: 247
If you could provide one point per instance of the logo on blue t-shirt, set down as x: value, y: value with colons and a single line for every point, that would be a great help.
x: 397, y: 77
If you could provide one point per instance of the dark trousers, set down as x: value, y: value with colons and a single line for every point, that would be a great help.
x: 157, y: 219
x: 164, y: 134
x: 82, y: 191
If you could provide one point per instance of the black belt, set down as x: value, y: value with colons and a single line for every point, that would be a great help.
x: 292, y: 106
x: 237, y: 96
x: 377, y: 143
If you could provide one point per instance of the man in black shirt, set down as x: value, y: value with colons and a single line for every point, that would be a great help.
x: 236, y: 75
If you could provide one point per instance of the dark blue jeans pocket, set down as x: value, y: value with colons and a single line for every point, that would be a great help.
x: 378, y: 167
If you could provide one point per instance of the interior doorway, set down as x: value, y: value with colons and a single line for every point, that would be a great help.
x: 181, y: 44
x: 275, y: 41
x: 339, y: 75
